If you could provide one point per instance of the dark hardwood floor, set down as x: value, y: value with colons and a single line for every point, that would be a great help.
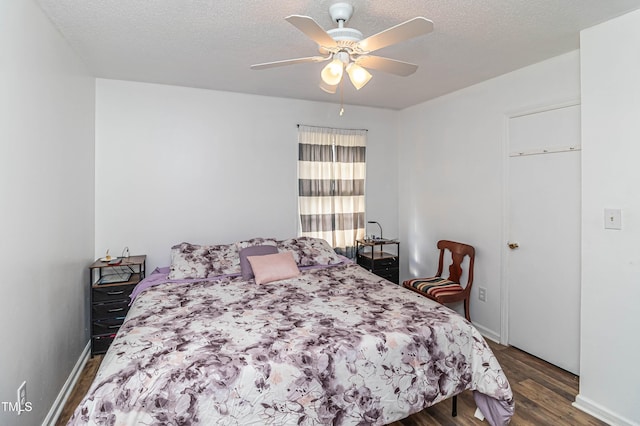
x: 543, y: 395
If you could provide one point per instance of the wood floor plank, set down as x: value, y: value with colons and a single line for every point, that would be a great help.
x: 548, y: 375
x: 543, y: 395
x: 541, y: 400
x: 554, y: 376
x: 80, y: 389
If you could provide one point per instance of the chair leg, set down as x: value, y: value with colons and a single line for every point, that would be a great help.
x: 466, y: 309
x: 454, y: 403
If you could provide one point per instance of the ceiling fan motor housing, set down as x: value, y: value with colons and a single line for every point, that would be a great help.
x: 349, y: 34
x: 347, y: 40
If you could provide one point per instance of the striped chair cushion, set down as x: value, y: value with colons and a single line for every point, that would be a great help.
x: 434, y: 286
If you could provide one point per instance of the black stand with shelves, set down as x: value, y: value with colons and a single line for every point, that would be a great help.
x: 372, y: 257
x: 111, y: 285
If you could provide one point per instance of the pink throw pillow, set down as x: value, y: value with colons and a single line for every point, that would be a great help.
x: 245, y: 266
x: 273, y: 267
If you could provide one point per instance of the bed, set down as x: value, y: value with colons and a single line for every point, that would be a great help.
x: 325, y: 342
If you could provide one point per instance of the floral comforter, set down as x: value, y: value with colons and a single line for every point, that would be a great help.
x: 331, y: 346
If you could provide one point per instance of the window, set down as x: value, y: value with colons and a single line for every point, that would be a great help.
x: 331, y: 182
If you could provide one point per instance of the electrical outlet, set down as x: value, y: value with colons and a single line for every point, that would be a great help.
x: 22, y: 397
x: 482, y: 294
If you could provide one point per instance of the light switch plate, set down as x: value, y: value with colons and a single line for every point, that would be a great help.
x: 612, y: 219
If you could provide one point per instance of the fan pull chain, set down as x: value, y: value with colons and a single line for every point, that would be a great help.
x: 341, y: 98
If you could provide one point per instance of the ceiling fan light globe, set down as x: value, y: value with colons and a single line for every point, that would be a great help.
x: 327, y: 88
x: 332, y: 72
x: 358, y: 75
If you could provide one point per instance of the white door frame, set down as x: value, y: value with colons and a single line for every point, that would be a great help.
x: 504, y: 287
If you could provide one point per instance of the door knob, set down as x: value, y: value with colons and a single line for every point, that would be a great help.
x: 513, y: 246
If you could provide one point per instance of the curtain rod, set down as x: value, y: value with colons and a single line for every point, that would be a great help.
x: 325, y: 127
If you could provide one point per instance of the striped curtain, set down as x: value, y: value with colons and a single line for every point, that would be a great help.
x: 331, y: 178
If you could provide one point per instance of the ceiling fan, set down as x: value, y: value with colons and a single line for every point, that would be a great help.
x: 347, y: 49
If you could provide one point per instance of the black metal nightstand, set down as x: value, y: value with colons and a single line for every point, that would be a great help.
x: 111, y: 284
x: 372, y: 257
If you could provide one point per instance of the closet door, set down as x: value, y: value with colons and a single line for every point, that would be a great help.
x: 543, y: 272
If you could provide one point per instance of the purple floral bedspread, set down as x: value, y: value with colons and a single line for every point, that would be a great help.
x: 331, y: 346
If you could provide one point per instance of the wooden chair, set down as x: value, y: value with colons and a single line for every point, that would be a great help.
x: 448, y: 290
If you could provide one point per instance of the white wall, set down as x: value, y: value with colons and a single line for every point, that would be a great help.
x: 46, y: 219
x: 179, y: 164
x: 610, y: 336
x: 451, y: 154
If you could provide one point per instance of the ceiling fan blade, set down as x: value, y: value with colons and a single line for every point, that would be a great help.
x: 387, y: 65
x: 289, y: 62
x: 407, y: 30
x: 312, y: 30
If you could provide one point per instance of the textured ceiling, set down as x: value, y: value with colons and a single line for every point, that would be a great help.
x: 211, y: 43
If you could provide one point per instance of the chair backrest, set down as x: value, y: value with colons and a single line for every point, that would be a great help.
x: 458, y: 252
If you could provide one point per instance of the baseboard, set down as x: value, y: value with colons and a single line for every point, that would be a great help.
x: 67, y: 388
x: 488, y: 334
x: 599, y: 412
